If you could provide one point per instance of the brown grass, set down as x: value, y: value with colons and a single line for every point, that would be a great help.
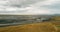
x: 36, y: 27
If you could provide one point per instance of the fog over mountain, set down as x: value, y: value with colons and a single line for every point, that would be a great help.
x: 23, y: 7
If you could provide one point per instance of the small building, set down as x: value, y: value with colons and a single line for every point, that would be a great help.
x: 45, y: 19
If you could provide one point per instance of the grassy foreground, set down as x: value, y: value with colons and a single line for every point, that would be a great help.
x: 35, y: 27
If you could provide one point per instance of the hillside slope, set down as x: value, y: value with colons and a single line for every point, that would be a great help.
x: 35, y: 27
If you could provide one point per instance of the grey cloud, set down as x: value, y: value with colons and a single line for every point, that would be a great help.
x: 22, y: 3
x: 54, y: 7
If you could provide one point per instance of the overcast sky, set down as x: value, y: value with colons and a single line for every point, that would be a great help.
x: 23, y: 7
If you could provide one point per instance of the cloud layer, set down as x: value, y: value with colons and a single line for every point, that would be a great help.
x: 29, y: 7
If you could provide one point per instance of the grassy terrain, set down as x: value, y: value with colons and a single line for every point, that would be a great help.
x: 49, y: 26
x: 35, y: 27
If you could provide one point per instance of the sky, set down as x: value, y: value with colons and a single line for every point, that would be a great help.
x: 29, y: 7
